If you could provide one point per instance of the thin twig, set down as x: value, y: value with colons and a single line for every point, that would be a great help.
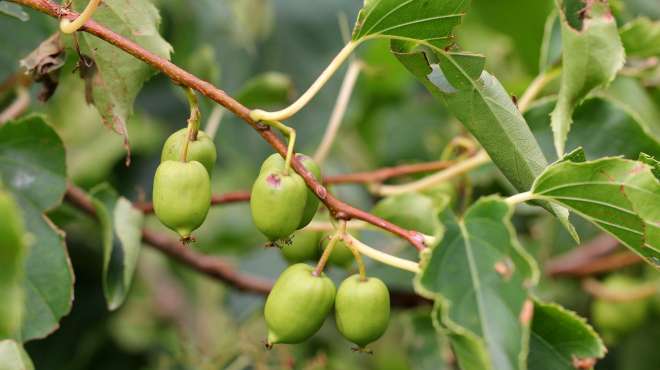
x: 17, y: 107
x: 212, y: 124
x: 591, y: 258
x: 216, y: 199
x: 185, y: 78
x: 383, y: 174
x: 212, y: 266
x: 601, y: 291
x: 536, y: 87
x: 457, y: 169
x: 338, y: 111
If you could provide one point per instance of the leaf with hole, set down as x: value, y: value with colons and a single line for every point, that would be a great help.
x: 591, y: 56
x: 619, y: 196
x: 479, y: 276
x: 560, y: 339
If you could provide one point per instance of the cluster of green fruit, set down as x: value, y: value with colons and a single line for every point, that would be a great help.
x: 301, y: 299
x: 280, y: 201
x: 182, y: 189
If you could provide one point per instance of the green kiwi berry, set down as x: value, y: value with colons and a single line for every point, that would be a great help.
x: 201, y: 150
x: 298, y: 304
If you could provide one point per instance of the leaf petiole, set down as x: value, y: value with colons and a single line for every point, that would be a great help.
x: 280, y: 115
x: 67, y: 26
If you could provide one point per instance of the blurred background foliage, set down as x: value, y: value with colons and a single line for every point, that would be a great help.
x: 175, y: 318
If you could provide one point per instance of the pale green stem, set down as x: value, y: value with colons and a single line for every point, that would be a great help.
x: 326, y: 254
x: 67, y: 26
x: 262, y: 115
x: 212, y: 124
x: 193, y: 123
x: 520, y: 198
x: 338, y: 111
x: 534, y: 88
x: 290, y: 133
x: 383, y: 257
x: 459, y: 168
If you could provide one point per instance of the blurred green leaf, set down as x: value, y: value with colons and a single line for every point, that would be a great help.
x: 641, y: 38
x: 600, y: 126
x: 591, y: 55
x: 116, y: 77
x: 13, y: 10
x: 266, y: 90
x: 619, y: 196
x: 479, y: 276
x: 32, y: 167
x: 12, y: 255
x: 559, y: 337
x: 429, y: 21
x: 428, y: 348
x: 629, y: 95
x: 13, y: 356
x: 121, y: 226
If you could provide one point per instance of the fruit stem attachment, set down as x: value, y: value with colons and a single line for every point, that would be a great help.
x: 280, y: 115
x: 290, y: 133
x: 356, y: 254
x: 193, y: 123
x: 382, y: 257
x: 326, y: 255
x: 67, y: 26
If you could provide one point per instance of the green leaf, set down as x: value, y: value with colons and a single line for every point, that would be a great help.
x: 630, y: 95
x: 12, y: 260
x: 591, y: 55
x: 121, y: 226
x: 426, y: 346
x: 484, y: 107
x: 13, y: 10
x: 13, y: 356
x: 32, y: 168
x: 560, y: 337
x: 641, y: 38
x: 430, y: 21
x: 479, y: 276
x: 268, y: 89
x: 117, y: 77
x: 618, y: 195
x: 601, y: 126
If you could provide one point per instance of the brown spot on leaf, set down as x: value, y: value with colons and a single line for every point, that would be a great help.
x: 583, y: 363
x: 505, y: 268
x: 527, y: 312
x: 43, y: 65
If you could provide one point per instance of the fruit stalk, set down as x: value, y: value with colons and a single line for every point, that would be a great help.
x: 193, y: 122
x: 326, y: 254
x: 290, y: 133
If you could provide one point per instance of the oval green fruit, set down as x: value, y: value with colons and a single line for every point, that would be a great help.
x: 362, y: 309
x: 277, y: 202
x: 413, y: 211
x: 619, y: 318
x: 275, y: 161
x: 298, y: 304
x: 341, y: 255
x: 304, y: 247
x: 201, y: 150
x: 181, y: 195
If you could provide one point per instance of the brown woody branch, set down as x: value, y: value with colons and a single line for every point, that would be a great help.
x: 593, y: 257
x: 182, y: 77
x: 212, y: 266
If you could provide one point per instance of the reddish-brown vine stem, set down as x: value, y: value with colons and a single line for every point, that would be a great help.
x: 185, y: 78
x: 212, y: 266
x: 375, y: 176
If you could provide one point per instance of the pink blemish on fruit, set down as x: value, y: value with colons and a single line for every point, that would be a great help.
x: 273, y: 180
